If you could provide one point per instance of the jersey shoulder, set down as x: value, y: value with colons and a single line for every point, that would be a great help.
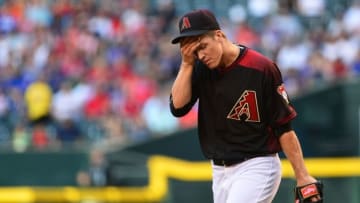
x: 255, y: 60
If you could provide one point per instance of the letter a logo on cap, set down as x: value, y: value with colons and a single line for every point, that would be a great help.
x: 185, y: 23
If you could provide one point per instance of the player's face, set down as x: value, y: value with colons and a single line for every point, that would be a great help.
x: 210, y: 50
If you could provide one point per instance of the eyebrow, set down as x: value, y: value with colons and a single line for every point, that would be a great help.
x: 200, y: 41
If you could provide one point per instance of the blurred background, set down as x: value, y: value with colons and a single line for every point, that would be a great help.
x: 84, y: 87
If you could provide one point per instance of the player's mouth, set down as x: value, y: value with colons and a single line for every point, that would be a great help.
x: 206, y: 62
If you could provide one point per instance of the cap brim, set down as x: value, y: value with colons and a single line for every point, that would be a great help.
x: 188, y: 34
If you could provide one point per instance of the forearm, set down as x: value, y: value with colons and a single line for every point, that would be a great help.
x: 181, y: 89
x: 292, y: 149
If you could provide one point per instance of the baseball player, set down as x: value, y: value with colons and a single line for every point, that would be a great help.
x: 244, y: 114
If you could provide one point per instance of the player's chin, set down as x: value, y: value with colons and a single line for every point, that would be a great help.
x: 211, y: 65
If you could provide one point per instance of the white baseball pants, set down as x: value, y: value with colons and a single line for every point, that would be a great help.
x: 253, y: 181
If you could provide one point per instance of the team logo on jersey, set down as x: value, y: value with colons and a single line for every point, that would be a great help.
x: 281, y: 90
x: 185, y: 23
x: 245, y: 108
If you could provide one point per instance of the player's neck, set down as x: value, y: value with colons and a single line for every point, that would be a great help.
x: 230, y: 55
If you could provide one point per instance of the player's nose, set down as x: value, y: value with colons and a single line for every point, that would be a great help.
x: 201, y: 56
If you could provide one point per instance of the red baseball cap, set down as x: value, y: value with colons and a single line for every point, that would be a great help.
x: 195, y: 23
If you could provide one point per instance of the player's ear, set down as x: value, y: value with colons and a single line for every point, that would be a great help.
x: 219, y: 34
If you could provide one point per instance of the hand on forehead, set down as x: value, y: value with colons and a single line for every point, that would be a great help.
x: 191, y: 39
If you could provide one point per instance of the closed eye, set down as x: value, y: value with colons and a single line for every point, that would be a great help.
x: 200, y: 47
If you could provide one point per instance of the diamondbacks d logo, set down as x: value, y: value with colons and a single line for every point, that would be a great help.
x: 185, y: 23
x: 246, y: 105
x: 281, y: 90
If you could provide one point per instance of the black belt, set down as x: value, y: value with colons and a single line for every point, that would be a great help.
x: 230, y: 162
x: 223, y: 162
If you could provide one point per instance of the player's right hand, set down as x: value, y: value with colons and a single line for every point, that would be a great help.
x: 188, y: 47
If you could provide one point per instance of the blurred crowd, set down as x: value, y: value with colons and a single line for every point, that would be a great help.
x: 100, y: 72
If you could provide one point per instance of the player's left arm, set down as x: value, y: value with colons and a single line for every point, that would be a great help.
x: 292, y: 150
x: 282, y: 112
